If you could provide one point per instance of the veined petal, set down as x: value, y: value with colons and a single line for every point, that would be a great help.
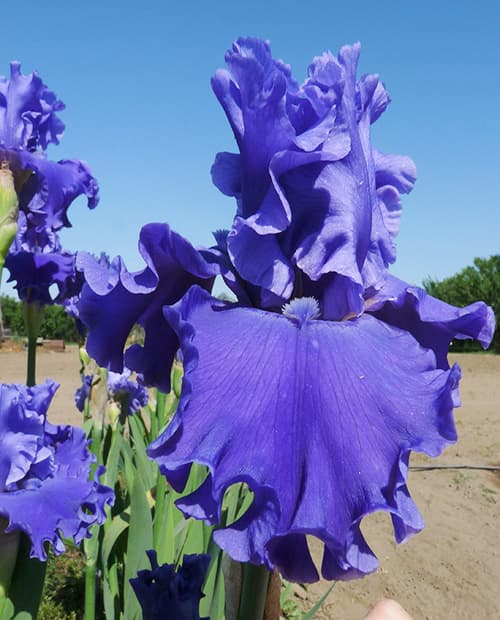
x: 322, y: 416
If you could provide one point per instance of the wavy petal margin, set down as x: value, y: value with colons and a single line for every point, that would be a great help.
x: 317, y: 417
x: 28, y: 111
x: 433, y: 322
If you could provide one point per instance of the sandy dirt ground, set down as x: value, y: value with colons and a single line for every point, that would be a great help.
x: 451, y: 570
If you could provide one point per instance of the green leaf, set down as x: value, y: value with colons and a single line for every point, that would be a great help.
x: 140, y: 538
x: 111, y: 592
x: 112, y: 531
x: 6, y: 609
x: 113, y: 460
x: 314, y: 610
x: 146, y: 467
x: 27, y: 582
x: 213, y: 604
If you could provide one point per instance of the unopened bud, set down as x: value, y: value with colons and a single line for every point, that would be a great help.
x: 9, y: 210
x: 114, y: 414
x: 84, y: 357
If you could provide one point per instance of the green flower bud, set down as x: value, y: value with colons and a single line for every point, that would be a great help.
x: 9, y: 210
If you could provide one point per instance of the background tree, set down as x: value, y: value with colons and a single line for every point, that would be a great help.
x: 56, y: 323
x: 479, y: 281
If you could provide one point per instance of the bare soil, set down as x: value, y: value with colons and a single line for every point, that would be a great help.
x: 451, y: 570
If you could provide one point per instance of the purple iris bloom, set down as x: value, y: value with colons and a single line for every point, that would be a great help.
x: 131, y: 394
x: 28, y: 124
x: 113, y: 300
x: 38, y: 265
x: 315, y: 405
x: 316, y: 202
x: 82, y: 393
x: 165, y: 593
x: 44, y: 472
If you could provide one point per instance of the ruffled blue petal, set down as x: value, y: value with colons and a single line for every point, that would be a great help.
x: 22, y: 421
x: 433, y: 322
x: 44, y: 486
x: 323, y: 416
x: 114, y: 300
x: 28, y: 109
x: 35, y: 273
x: 47, y: 195
x: 314, y: 199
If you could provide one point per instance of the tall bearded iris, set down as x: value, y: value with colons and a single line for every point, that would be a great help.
x: 314, y: 388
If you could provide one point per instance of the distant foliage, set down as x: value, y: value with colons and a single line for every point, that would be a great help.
x: 480, y: 281
x: 56, y: 323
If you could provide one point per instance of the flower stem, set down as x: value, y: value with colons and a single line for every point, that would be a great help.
x: 29, y: 573
x: 31, y: 363
x: 27, y: 581
x: 91, y: 547
x: 33, y: 314
x: 253, y: 592
x: 9, y: 545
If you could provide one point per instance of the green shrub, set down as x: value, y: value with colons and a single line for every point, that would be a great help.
x: 481, y: 281
x: 64, y: 589
x: 56, y: 323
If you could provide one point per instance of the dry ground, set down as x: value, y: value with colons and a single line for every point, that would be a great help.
x: 449, y: 571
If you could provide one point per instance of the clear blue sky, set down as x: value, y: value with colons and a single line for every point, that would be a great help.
x: 135, y: 77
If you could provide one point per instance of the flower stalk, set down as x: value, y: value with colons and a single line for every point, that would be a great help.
x: 9, y: 545
x: 33, y: 316
x: 255, y: 583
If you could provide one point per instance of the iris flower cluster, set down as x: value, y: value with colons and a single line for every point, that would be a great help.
x: 318, y: 382
x: 44, y: 469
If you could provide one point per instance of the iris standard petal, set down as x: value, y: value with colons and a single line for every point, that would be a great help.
x: 253, y: 95
x: 314, y: 199
x: 28, y: 111
x: 317, y: 417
